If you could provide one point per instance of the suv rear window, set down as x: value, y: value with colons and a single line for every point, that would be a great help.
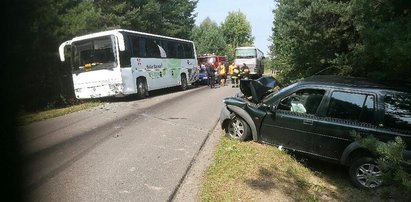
x: 397, y: 112
x: 351, y: 106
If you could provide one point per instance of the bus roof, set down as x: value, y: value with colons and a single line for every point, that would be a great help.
x: 116, y: 31
x: 249, y: 47
x: 246, y: 47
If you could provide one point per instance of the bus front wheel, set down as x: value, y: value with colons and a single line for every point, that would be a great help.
x: 142, y: 90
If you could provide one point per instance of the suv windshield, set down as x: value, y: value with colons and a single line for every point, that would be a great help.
x: 268, y: 97
x: 93, y: 54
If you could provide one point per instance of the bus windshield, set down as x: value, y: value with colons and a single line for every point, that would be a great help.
x: 245, y: 53
x: 94, y: 54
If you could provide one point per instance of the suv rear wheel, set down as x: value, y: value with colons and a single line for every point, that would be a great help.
x: 365, y: 173
x: 238, y: 129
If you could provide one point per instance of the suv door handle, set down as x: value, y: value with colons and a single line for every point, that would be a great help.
x: 308, y: 122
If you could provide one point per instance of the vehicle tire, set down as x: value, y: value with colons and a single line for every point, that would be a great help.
x: 365, y: 173
x: 142, y: 90
x: 184, y: 84
x: 238, y: 129
x: 196, y: 83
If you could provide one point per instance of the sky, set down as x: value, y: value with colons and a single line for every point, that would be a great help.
x: 258, y: 13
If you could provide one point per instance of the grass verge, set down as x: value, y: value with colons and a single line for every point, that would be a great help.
x: 249, y: 171
x: 47, y: 114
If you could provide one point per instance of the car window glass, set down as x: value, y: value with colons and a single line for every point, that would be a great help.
x: 397, y: 112
x: 152, y: 50
x: 368, y: 110
x: 188, y: 51
x: 135, y: 46
x: 303, y: 101
x: 351, y: 106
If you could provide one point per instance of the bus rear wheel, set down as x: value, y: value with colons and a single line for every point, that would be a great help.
x: 142, y: 90
x: 184, y: 84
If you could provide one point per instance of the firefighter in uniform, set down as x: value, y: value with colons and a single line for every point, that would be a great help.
x: 234, y: 76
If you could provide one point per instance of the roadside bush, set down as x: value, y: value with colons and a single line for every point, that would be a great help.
x: 390, y: 159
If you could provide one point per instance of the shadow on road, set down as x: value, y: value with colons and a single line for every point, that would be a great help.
x: 152, y: 94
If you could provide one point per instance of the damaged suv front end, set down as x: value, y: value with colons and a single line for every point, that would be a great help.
x: 244, y: 111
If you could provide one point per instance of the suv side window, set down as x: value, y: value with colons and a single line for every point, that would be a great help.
x: 351, y: 106
x: 397, y: 112
x: 302, y: 101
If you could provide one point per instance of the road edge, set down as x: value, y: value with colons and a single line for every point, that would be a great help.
x: 189, y: 185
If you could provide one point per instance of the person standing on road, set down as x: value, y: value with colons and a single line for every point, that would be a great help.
x: 245, y: 71
x: 234, y: 76
x: 221, y: 73
x: 226, y: 72
x: 211, y: 75
x: 230, y: 71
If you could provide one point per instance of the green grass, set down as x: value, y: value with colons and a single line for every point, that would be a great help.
x: 47, y: 114
x: 249, y: 171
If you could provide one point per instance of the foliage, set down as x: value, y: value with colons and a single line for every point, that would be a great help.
x: 237, y: 32
x: 357, y: 38
x: 384, y: 29
x: 310, y: 36
x: 178, y: 17
x: 209, y: 38
x: 234, y: 31
x: 248, y: 171
x: 391, y: 159
x: 28, y: 118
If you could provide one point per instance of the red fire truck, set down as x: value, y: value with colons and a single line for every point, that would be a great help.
x: 212, y: 59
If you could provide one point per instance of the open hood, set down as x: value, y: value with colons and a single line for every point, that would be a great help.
x: 258, y: 88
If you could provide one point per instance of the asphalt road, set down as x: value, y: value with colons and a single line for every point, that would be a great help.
x: 127, y: 150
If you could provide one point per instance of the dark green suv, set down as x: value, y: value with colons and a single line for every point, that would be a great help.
x: 319, y: 115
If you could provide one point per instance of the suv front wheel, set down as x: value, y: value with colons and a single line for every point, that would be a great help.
x: 238, y: 129
x: 365, y: 173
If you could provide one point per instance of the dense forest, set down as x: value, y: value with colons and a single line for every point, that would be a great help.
x: 365, y: 38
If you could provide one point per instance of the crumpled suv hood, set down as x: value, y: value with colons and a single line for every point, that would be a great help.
x: 258, y: 88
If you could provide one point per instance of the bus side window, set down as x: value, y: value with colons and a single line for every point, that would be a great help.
x: 142, y: 43
x: 135, y: 46
x: 180, y: 51
x: 152, y: 49
x: 171, y: 49
x: 188, y: 51
x: 127, y: 53
x: 161, y: 46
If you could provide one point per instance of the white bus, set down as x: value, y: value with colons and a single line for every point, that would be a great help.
x: 121, y: 62
x: 252, y: 57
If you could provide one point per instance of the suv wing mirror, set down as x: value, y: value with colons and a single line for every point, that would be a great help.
x: 273, y: 108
